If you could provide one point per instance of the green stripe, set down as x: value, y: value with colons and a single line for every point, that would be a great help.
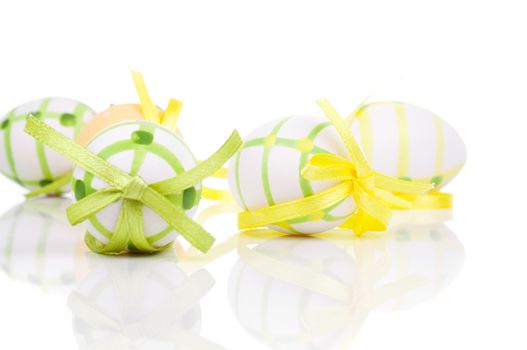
x: 280, y: 141
x: 156, y: 237
x: 329, y: 217
x: 8, y: 148
x: 41, y: 252
x: 265, y: 167
x: 41, y: 152
x: 126, y: 145
x: 305, y: 185
x: 140, y: 151
x: 238, y: 186
x: 8, y: 249
x: 100, y: 227
x: 79, y: 112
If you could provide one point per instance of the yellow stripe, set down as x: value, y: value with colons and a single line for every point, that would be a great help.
x: 366, y: 133
x: 403, y: 162
x: 440, y: 144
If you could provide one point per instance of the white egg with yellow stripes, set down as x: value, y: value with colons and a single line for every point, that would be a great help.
x: 267, y: 171
x: 144, y: 149
x: 409, y: 142
x: 28, y: 162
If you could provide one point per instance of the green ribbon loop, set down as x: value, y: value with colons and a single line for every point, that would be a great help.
x: 134, y: 192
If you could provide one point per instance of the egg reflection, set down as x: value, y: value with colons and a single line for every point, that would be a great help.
x: 39, y: 246
x: 139, y: 302
x: 316, y: 292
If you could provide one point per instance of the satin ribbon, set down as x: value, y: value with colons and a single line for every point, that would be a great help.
x: 373, y: 192
x: 168, y: 119
x: 134, y: 192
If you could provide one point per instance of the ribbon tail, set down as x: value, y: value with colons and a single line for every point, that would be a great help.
x: 393, y: 201
x: 171, y: 115
x: 430, y: 200
x: 294, y: 209
x: 54, y: 187
x: 90, y: 205
x: 132, y: 222
x: 215, y: 194
x: 148, y: 107
x: 202, y: 170
x: 178, y: 219
x: 357, y: 157
x: 372, y: 215
x: 89, y: 161
x: 400, y: 186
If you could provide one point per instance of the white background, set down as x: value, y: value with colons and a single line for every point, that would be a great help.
x: 238, y: 64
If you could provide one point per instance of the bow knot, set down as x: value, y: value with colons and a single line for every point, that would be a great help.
x: 129, y: 227
x: 366, y: 182
x: 135, y: 189
x: 374, y: 193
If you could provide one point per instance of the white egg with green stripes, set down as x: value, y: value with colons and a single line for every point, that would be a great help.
x: 276, y: 286
x: 27, y: 161
x: 139, y: 304
x: 267, y: 171
x: 143, y: 149
x: 409, y: 142
x: 39, y: 246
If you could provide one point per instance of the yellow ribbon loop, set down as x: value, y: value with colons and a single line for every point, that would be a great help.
x: 373, y: 192
x: 170, y: 117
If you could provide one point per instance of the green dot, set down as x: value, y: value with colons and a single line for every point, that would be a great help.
x: 189, y: 196
x: 436, y: 180
x: 405, y: 178
x: 142, y: 137
x: 79, y: 188
x: 5, y: 124
x: 402, y: 235
x: 44, y: 182
x: 36, y: 114
x: 435, y: 235
x: 132, y: 248
x: 68, y: 119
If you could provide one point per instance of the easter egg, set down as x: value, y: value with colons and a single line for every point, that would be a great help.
x: 40, y: 247
x: 267, y: 171
x: 313, y: 293
x: 143, y: 149
x: 28, y: 162
x: 428, y: 256
x: 132, y: 303
x: 276, y: 285
x: 409, y: 142
x: 113, y: 115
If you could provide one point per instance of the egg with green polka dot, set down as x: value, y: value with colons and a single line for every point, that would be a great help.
x: 144, y: 149
x: 28, y: 162
x: 267, y: 171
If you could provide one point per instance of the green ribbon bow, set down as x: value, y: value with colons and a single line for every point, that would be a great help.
x: 134, y: 192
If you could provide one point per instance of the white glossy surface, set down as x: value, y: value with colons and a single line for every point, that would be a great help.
x: 241, y: 64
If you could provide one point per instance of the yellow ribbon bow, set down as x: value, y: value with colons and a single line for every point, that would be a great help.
x: 373, y: 192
